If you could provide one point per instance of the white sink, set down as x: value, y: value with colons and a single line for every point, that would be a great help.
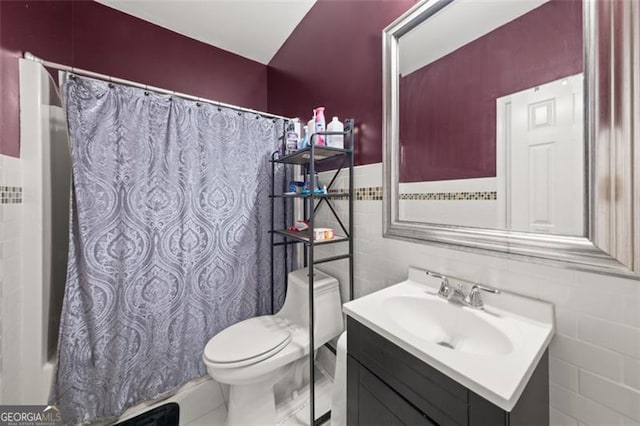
x: 451, y: 326
x: 493, y: 352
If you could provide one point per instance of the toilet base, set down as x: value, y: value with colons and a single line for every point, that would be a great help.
x: 252, y: 404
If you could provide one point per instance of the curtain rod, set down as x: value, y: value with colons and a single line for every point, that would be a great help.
x: 104, y: 77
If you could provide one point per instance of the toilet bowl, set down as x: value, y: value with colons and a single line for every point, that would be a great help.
x: 253, y: 355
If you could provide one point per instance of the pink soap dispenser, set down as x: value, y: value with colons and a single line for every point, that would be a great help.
x: 320, y: 125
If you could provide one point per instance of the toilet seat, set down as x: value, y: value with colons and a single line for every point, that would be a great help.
x: 248, y: 342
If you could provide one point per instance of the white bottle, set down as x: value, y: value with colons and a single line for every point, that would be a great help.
x: 335, y: 141
x: 311, y: 126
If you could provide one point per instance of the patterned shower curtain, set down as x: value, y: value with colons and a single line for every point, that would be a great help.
x: 169, y: 242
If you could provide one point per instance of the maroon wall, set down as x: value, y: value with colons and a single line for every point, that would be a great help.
x: 451, y: 130
x: 334, y: 59
x: 89, y: 35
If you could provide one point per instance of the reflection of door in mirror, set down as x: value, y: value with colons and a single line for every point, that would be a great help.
x: 541, y: 133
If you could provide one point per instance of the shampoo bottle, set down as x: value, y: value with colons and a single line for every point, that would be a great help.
x: 335, y: 141
x: 320, y: 125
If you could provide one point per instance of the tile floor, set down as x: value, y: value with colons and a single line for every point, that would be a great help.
x: 290, y: 413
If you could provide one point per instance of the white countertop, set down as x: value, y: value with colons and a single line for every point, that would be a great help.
x: 499, y: 378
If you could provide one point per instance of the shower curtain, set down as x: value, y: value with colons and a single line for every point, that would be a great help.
x: 169, y: 242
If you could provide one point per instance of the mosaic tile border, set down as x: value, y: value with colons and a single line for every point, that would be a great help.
x: 367, y: 193
x: 451, y: 196
x: 375, y: 193
x: 10, y: 195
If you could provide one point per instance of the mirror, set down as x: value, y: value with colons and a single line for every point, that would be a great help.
x: 495, y: 137
x: 491, y: 117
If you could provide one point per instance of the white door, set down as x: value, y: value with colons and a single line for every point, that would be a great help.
x: 544, y: 149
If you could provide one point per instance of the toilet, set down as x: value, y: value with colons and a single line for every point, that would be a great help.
x: 255, y: 354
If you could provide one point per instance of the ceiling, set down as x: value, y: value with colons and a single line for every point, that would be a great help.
x: 255, y: 29
x: 463, y: 15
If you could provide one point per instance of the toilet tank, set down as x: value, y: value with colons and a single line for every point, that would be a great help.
x: 328, y: 307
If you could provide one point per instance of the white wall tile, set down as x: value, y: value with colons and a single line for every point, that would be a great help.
x: 601, y: 304
x: 621, y: 398
x: 558, y: 418
x: 560, y: 293
x: 631, y: 311
x: 629, y: 422
x: 598, y: 282
x: 563, y: 373
x: 566, y: 322
x: 631, y: 372
x: 583, y: 409
x: 615, y: 336
x: 10, y: 278
x: 590, y: 357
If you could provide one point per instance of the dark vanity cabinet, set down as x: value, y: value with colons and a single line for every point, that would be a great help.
x: 388, y: 386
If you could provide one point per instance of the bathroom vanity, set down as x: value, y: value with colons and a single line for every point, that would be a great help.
x: 415, y: 358
x: 388, y: 386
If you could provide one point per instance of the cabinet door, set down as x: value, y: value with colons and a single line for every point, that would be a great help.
x: 434, y: 394
x: 371, y: 402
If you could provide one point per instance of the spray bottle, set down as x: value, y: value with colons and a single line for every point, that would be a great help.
x: 320, y: 125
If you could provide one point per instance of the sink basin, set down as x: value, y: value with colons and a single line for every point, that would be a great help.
x: 451, y: 326
x: 492, y: 352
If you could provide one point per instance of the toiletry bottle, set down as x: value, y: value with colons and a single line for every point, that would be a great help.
x: 320, y: 125
x: 317, y: 181
x: 304, y: 140
x: 291, y: 138
x: 311, y: 128
x: 335, y: 141
x: 317, y: 187
x: 297, y: 127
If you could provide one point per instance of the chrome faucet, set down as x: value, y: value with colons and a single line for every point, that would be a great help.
x: 456, y: 295
x: 445, y: 290
x: 473, y: 299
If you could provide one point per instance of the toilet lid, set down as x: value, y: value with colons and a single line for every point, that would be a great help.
x: 249, y: 341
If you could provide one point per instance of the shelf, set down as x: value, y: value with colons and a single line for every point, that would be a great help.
x: 286, y: 237
x: 345, y: 195
x: 303, y: 236
x: 319, y: 153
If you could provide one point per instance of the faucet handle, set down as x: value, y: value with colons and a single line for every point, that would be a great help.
x: 445, y: 289
x: 474, y: 300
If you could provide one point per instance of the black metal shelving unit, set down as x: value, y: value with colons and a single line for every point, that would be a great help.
x: 308, y: 158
